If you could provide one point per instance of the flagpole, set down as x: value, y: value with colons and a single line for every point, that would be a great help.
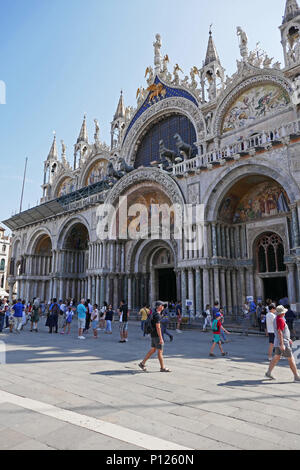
x: 21, y: 202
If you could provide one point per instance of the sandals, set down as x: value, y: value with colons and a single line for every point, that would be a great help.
x: 165, y: 370
x: 142, y: 366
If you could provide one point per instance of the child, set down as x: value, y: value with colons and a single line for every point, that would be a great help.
x: 109, y: 315
x: 68, y: 320
x: 11, y: 321
x: 207, y: 316
x: 222, y: 330
x: 217, y: 327
x: 95, y: 320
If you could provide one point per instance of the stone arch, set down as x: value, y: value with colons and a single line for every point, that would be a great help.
x: 16, y: 248
x: 63, y: 178
x: 35, y: 237
x: 88, y: 166
x: 255, y: 239
x: 154, y: 175
x: 229, y: 177
x: 141, y: 250
x: 65, y: 228
x: 233, y: 93
x: 162, y: 109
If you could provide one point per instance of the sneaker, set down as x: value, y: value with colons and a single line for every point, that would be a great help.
x: 270, y: 359
x: 178, y: 331
x: 126, y: 340
x: 267, y: 374
x: 212, y: 355
x: 81, y: 337
x: 224, y: 354
x: 297, y: 378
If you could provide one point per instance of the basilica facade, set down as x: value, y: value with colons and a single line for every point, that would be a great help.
x: 228, y: 144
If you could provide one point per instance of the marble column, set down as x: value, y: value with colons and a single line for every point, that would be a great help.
x: 98, y: 290
x: 192, y: 291
x: 199, y: 305
x: 116, y: 291
x: 242, y: 290
x: 223, y: 299
x: 295, y: 226
x: 214, y: 240
x: 234, y: 292
x: 205, y: 240
x: 292, y: 293
x: 228, y: 291
x: 216, y: 285
x: 102, y: 290
x: 183, y: 291
x: 129, y: 281
x: 206, y: 287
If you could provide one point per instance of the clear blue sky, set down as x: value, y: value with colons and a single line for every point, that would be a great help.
x: 62, y: 58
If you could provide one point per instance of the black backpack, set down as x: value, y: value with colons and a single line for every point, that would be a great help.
x: 148, y: 326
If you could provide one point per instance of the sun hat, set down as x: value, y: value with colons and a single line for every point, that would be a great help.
x: 280, y: 310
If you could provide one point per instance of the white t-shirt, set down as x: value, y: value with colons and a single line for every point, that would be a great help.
x: 95, y: 315
x: 270, y: 317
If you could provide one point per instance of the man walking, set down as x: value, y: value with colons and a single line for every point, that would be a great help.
x: 54, y: 311
x: 282, y: 344
x: 81, y: 312
x: 144, y: 312
x: 18, y: 314
x: 270, y: 317
x: 157, y: 341
x: 164, y: 323
x: 124, y: 316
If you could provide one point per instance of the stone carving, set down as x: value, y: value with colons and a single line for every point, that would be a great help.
x: 176, y: 71
x: 296, y: 91
x: 194, y: 193
x: 111, y: 172
x: 149, y: 73
x: 157, y: 54
x: 97, y: 130
x: 156, y: 91
x: 243, y: 42
x: 140, y: 95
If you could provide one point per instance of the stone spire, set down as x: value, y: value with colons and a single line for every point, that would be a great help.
x: 83, y: 136
x: 120, y: 113
x: 211, y: 54
x: 291, y: 10
x: 53, y: 155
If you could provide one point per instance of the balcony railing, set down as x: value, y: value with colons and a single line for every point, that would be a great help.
x: 248, y: 146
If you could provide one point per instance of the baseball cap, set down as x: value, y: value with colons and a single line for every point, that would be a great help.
x: 218, y: 314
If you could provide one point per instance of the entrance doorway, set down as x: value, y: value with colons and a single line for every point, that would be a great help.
x: 275, y: 288
x: 167, y: 284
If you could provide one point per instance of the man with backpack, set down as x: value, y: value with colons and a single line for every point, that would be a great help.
x: 152, y: 327
x: 54, y: 311
x: 217, y: 327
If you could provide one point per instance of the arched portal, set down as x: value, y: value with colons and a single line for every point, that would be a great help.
x: 153, y: 263
x: 270, y: 267
x: 74, y: 262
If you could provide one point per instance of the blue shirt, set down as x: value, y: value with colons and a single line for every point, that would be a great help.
x: 214, y: 311
x: 81, y: 310
x: 18, y: 309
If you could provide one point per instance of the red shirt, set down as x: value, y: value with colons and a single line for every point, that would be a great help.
x: 219, y: 324
x: 280, y: 323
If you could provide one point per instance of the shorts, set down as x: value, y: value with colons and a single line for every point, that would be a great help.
x: 124, y: 326
x: 271, y: 338
x: 155, y: 343
x: 286, y: 353
x: 179, y: 318
x: 217, y: 339
x: 81, y: 323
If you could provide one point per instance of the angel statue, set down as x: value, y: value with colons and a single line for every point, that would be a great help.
x: 157, y: 54
x: 243, y: 42
x: 149, y: 71
x: 176, y: 71
x: 164, y: 72
x: 97, y: 130
x: 140, y: 95
x: 193, y: 73
x: 267, y: 62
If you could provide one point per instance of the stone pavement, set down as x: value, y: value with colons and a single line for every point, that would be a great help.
x: 92, y: 395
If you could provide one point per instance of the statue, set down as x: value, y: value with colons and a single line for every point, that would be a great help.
x: 97, y: 130
x: 165, y: 66
x: 267, y: 62
x: 193, y: 73
x: 277, y: 66
x: 183, y: 148
x: 157, y: 91
x: 208, y: 120
x: 243, y: 42
x: 124, y: 167
x: 176, y: 71
x: 149, y: 71
x: 63, y: 148
x: 157, y: 54
x: 166, y: 154
x: 140, y: 95
x: 296, y: 91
